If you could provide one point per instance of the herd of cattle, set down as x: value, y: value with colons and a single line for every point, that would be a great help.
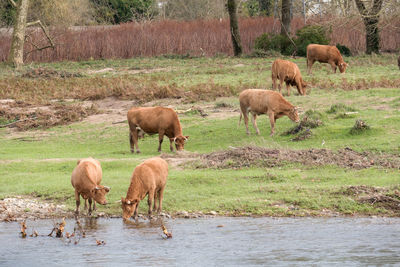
x: 150, y: 177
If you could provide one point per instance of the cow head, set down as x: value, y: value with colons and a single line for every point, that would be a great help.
x: 293, y: 114
x: 179, y: 142
x: 99, y: 194
x: 342, y: 66
x: 304, y: 86
x: 128, y: 207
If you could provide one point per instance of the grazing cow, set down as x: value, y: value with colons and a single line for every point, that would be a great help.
x: 325, y: 54
x: 152, y: 120
x: 86, y: 178
x: 148, y: 178
x: 259, y: 101
x: 289, y: 72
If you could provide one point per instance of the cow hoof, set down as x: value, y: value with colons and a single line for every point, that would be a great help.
x: 138, y: 151
x: 132, y: 151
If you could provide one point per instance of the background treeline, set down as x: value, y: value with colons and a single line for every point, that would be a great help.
x: 95, y: 29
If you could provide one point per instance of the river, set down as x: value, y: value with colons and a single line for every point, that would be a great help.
x: 221, y: 241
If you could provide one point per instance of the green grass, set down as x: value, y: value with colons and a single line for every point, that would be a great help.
x: 40, y: 162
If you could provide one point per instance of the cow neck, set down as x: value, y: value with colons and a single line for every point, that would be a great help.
x: 135, y: 189
x: 177, y: 129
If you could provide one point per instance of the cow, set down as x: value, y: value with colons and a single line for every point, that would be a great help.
x: 325, y: 54
x: 259, y: 101
x: 289, y: 72
x: 148, y: 178
x: 153, y: 120
x: 86, y: 178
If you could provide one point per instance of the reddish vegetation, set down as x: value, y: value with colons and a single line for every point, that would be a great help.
x: 153, y: 120
x: 148, y: 178
x: 86, y: 179
x: 325, y: 54
x: 259, y: 101
x: 289, y: 73
x: 194, y: 37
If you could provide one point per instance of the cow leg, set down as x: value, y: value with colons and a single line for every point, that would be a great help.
x: 274, y: 84
x: 90, y: 206
x: 255, y: 123
x: 86, y: 203
x: 94, y: 205
x: 280, y: 85
x: 156, y: 195
x: 245, y: 113
x: 160, y: 140
x: 288, y: 89
x: 150, y: 199
x: 135, y: 213
x: 272, y: 121
x: 133, y: 139
x: 160, y: 199
x: 78, y: 202
x: 170, y: 145
x: 309, y: 65
x: 333, y: 65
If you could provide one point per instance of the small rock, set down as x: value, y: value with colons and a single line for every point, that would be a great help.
x: 212, y: 213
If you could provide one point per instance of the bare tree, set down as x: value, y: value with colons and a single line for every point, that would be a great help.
x: 286, y: 17
x: 371, y: 19
x: 16, y: 56
x: 237, y: 44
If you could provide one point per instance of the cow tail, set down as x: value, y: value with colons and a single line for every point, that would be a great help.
x: 240, y: 118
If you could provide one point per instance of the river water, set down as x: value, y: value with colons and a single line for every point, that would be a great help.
x: 217, y: 241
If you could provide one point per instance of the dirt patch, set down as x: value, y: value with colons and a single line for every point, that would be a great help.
x: 25, y: 207
x: 265, y: 157
x: 23, y: 117
x: 376, y: 196
x: 48, y: 74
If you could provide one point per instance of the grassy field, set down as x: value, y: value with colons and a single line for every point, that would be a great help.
x: 39, y: 162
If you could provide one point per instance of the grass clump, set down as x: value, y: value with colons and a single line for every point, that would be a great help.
x: 339, y: 108
x: 359, y: 127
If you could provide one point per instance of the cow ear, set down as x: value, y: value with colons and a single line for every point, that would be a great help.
x: 186, y: 137
x: 77, y: 163
x: 107, y: 188
x: 172, y: 139
x: 123, y: 200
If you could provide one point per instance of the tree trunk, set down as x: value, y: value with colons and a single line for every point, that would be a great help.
x: 372, y: 35
x: 237, y: 44
x: 286, y: 18
x: 16, y: 56
x: 371, y: 20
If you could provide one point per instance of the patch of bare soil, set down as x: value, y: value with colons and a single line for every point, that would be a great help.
x: 376, y: 196
x: 24, y: 207
x: 265, y: 157
x: 48, y: 74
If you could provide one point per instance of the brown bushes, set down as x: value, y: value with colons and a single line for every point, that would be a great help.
x: 199, y: 37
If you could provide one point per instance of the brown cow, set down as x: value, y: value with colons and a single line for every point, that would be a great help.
x: 325, y: 54
x: 289, y: 72
x: 148, y: 178
x: 152, y: 120
x: 259, y: 101
x: 86, y: 178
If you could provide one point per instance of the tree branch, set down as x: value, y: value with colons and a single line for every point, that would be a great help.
x: 43, y: 28
x: 28, y: 37
x: 13, y: 3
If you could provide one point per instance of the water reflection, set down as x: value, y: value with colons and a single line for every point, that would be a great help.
x: 241, y: 241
